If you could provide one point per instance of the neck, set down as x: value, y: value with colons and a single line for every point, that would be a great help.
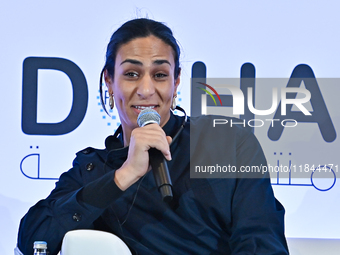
x: 126, y: 136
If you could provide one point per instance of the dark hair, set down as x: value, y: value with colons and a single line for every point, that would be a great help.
x: 137, y: 28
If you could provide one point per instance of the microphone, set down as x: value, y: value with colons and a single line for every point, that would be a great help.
x: 157, y: 161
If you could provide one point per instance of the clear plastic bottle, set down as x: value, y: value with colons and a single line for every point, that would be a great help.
x: 40, y: 248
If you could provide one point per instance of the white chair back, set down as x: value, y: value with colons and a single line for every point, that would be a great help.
x: 17, y: 251
x: 89, y: 242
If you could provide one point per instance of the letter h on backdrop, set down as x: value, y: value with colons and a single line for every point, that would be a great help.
x: 199, y: 74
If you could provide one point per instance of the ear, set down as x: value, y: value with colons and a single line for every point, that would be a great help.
x: 108, y: 81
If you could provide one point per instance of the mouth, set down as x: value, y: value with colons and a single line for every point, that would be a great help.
x: 138, y: 108
x: 142, y: 107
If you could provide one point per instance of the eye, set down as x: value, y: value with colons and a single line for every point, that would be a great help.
x: 131, y: 74
x: 160, y: 75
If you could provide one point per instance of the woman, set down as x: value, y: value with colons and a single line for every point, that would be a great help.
x: 114, y: 190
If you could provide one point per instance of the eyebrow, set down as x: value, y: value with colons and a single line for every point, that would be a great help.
x: 136, y: 62
x: 161, y: 61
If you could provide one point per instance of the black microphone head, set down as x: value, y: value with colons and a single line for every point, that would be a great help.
x: 148, y: 116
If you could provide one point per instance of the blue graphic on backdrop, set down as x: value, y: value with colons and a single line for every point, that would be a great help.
x: 29, y: 122
x: 30, y: 166
x: 325, y: 173
x: 300, y: 73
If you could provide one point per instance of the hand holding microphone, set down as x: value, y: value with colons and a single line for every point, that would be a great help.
x: 157, y: 161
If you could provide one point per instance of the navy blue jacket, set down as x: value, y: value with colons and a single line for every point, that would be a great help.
x: 207, y: 215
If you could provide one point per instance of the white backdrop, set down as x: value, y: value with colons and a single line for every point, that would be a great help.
x: 274, y: 36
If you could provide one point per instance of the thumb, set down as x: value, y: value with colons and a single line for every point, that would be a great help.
x: 169, y: 139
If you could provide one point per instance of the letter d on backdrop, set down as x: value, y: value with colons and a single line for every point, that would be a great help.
x: 29, y: 123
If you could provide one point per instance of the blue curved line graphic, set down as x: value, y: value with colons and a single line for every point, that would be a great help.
x: 311, y: 178
x: 22, y: 171
x: 38, y: 173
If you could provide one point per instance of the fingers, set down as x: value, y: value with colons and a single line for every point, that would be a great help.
x: 152, y: 136
x: 137, y: 163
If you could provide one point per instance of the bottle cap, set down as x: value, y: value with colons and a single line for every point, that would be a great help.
x: 40, y: 245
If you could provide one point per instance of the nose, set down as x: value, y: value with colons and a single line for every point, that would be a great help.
x: 146, y: 87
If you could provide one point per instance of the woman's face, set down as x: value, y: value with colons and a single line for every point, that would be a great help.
x: 143, y: 77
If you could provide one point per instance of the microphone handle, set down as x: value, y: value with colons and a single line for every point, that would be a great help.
x: 161, y: 174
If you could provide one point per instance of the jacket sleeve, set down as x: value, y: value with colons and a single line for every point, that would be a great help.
x: 68, y: 207
x: 258, y: 218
